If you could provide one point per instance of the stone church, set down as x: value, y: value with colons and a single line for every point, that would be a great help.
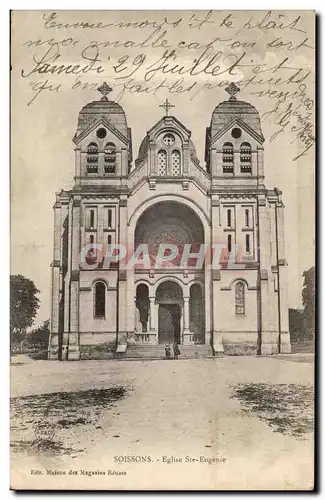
x: 233, y: 304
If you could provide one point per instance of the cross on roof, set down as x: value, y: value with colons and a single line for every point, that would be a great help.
x: 104, y: 89
x: 166, y: 105
x: 232, y: 89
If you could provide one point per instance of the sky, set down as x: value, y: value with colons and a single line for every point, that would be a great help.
x: 269, y: 46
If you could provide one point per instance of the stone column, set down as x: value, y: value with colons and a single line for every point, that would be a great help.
x: 187, y: 335
x: 124, y: 162
x: 56, y: 268
x: 73, y: 349
x: 152, y: 331
x: 285, y: 345
x: 236, y: 162
x: 185, y: 158
x: 214, y: 276
x: 152, y: 159
x: 268, y: 337
x: 215, y: 162
x: 118, y: 168
x: 67, y: 279
x: 78, y: 164
x: 273, y: 299
x: 260, y: 164
x: 207, y: 289
x: 124, y: 312
x: 136, y: 316
x: 254, y: 163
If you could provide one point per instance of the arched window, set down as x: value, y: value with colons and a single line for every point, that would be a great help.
x: 99, y: 300
x: 176, y: 163
x: 92, y: 218
x: 109, y: 217
x: 162, y: 162
x: 91, y: 254
x: 228, y: 158
x: 92, y: 158
x: 247, y: 218
x: 240, y: 298
x: 245, y: 158
x: 110, y: 158
x: 109, y: 243
x: 248, y: 245
x: 229, y: 243
x: 229, y: 217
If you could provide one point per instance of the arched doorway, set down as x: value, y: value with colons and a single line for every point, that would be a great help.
x: 142, y: 312
x: 169, y: 298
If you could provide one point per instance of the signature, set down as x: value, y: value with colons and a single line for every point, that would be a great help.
x: 269, y: 54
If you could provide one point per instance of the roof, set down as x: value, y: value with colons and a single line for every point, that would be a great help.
x: 109, y: 110
x: 226, y: 111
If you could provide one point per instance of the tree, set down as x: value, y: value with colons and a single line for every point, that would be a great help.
x: 23, y: 306
x: 296, y: 326
x: 308, y: 300
x: 40, y: 335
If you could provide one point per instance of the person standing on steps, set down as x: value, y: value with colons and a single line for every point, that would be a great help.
x: 176, y: 350
x: 167, y: 351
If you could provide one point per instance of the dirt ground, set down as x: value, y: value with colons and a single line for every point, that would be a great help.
x: 226, y: 423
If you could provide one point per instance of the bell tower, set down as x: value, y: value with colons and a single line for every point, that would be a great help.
x: 103, y: 145
x: 247, y: 219
x: 89, y: 295
x: 234, y: 143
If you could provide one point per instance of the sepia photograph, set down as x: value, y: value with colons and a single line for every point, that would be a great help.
x: 162, y: 276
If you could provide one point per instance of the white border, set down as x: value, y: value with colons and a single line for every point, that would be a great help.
x: 4, y: 184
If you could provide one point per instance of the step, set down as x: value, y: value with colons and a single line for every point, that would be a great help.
x: 196, y: 351
x: 145, y: 352
x: 158, y: 352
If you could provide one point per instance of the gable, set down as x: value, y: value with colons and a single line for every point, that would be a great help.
x: 169, y: 122
x: 105, y: 123
x: 240, y: 123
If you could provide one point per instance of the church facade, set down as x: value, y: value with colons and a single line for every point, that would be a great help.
x: 166, y: 250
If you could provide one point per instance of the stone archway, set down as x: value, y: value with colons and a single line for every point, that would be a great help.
x: 174, y: 223
x: 169, y: 298
x: 169, y: 223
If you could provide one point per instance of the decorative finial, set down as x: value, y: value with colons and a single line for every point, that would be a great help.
x: 166, y: 105
x: 232, y: 89
x: 104, y: 89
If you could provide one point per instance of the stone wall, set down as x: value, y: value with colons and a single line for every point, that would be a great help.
x: 99, y: 351
x: 301, y: 347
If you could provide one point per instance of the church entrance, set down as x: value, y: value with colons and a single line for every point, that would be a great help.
x: 169, y: 297
x: 169, y: 328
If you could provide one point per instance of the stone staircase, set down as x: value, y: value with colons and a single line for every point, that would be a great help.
x: 145, y: 351
x: 196, y: 351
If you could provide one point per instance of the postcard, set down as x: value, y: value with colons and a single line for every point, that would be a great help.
x: 162, y: 315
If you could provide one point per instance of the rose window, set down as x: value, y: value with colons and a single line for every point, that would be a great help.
x: 169, y: 139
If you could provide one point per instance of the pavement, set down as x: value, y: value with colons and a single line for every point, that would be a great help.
x: 183, y: 418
